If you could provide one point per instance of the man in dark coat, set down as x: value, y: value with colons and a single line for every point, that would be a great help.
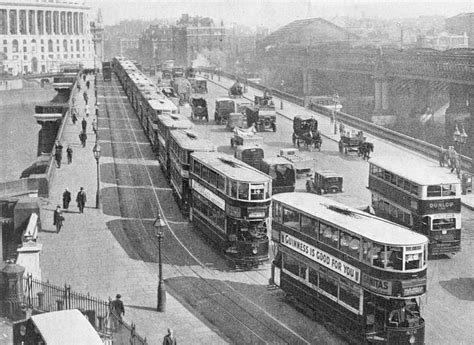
x: 69, y: 154
x: 66, y: 199
x: 81, y: 200
x: 169, y: 339
x: 58, y: 218
x: 83, y: 138
x: 117, y: 309
x: 84, y: 125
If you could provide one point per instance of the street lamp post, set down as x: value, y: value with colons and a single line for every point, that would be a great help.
x: 96, y: 151
x: 457, y: 138
x: 463, y: 139
x: 161, y: 293
x: 335, y: 99
x: 281, y: 99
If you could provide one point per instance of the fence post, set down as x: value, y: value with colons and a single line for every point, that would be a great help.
x: 40, y: 299
x: 60, y: 304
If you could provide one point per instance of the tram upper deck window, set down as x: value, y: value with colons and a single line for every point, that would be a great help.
x: 350, y: 244
x: 394, y: 258
x: 243, y: 191
x: 205, y: 173
x: 328, y: 235
x: 197, y: 168
x: 290, y: 218
x: 220, y: 182
x: 309, y: 226
x: 413, y: 258
x: 378, y: 255
x: 441, y: 190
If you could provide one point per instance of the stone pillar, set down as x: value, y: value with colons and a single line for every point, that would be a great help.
x: 11, y: 291
x: 378, y: 95
x: 458, y: 95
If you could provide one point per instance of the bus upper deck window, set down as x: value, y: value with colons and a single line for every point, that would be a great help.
x: 448, y: 189
x: 243, y: 191
x: 257, y: 192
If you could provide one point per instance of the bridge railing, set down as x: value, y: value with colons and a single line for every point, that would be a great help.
x: 400, y: 139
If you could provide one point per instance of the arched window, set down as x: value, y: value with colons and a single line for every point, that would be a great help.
x: 15, y: 46
x: 65, y: 45
x: 50, y: 45
x: 78, y: 45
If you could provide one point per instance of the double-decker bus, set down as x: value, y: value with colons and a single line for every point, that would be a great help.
x: 230, y: 204
x: 424, y: 198
x: 164, y: 126
x: 182, y: 144
x: 363, y: 274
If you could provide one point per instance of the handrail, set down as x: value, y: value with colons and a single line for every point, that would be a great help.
x: 420, y: 146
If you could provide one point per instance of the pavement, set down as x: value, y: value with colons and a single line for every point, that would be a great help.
x: 86, y: 255
x: 325, y: 126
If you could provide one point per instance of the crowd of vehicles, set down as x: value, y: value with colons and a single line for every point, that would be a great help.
x: 227, y: 200
x: 363, y: 273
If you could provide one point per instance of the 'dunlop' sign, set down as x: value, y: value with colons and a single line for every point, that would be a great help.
x: 321, y: 257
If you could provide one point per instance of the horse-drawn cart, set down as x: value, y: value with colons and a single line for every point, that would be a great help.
x: 351, y: 142
x: 305, y: 130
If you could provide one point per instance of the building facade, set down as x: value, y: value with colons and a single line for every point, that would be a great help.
x: 460, y: 24
x: 37, y: 36
x: 183, y: 41
x: 444, y: 41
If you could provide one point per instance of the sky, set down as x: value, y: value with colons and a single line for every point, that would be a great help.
x: 274, y: 13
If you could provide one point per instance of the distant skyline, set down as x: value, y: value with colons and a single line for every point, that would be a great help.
x: 273, y: 13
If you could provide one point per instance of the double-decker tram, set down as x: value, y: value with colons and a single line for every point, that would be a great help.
x: 424, y: 198
x: 363, y: 275
x: 230, y: 205
x: 182, y: 144
x: 164, y: 126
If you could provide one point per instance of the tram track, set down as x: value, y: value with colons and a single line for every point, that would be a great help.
x: 256, y: 324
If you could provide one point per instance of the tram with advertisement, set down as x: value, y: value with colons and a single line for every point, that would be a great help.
x: 231, y: 206
x: 425, y: 198
x: 364, y: 276
x: 182, y: 144
x: 164, y: 126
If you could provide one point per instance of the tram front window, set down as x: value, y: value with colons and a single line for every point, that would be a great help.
x: 404, y: 313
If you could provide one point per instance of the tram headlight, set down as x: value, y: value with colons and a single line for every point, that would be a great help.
x: 412, y: 339
x: 254, y: 250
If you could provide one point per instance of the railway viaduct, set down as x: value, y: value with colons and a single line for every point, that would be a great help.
x: 315, y: 57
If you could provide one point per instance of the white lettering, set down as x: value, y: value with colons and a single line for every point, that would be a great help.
x: 219, y: 202
x: 321, y: 257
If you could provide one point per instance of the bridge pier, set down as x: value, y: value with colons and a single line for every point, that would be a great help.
x: 307, y: 83
x: 382, y: 95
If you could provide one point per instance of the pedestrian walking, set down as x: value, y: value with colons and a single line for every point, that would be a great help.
x: 86, y: 98
x: 94, y: 126
x: 84, y: 125
x: 66, y: 199
x: 88, y: 84
x: 117, y: 310
x: 341, y: 128
x: 81, y: 200
x: 74, y: 115
x: 69, y: 154
x: 58, y: 155
x: 58, y: 218
x: 442, y: 156
x: 83, y: 138
x: 96, y: 106
x: 87, y: 110
x: 169, y: 339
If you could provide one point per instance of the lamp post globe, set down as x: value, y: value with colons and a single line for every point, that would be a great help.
x: 161, y: 291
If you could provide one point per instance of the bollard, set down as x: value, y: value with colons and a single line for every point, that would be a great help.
x: 40, y: 299
x: 60, y: 304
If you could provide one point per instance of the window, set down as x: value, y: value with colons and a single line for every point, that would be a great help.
x: 65, y: 45
x: 378, y: 255
x: 15, y: 46
x: 350, y: 244
x: 328, y: 284
x: 257, y: 192
x: 291, y: 264
x: 394, y: 258
x: 290, y: 218
x: 277, y: 212
x: 22, y: 20
x: 243, y: 191
x: 313, y: 277
x: 220, y: 182
x: 213, y: 178
x: 349, y: 295
x: 233, y: 189
x: 205, y: 173
x: 367, y: 252
x: 444, y: 223
x: 309, y: 226
x: 50, y: 46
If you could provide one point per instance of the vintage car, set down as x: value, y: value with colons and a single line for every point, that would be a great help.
x: 263, y: 118
x: 236, y: 90
x: 199, y: 109
x: 224, y: 106
x: 266, y: 101
x: 305, y: 130
x: 303, y: 167
x: 199, y: 86
x: 235, y: 120
x: 324, y: 182
x: 251, y: 154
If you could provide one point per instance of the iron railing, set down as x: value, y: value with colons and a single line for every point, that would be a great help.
x: 46, y: 297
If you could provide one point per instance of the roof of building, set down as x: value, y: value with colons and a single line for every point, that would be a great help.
x: 309, y: 32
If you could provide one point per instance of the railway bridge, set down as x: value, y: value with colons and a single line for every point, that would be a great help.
x: 392, y: 81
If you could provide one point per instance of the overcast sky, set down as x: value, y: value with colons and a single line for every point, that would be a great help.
x: 274, y: 13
